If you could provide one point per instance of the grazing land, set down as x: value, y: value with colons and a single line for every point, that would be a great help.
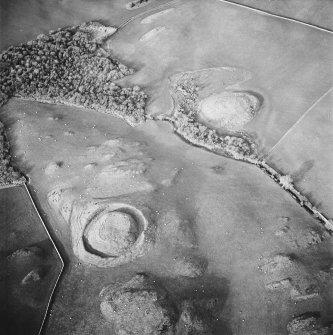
x: 297, y: 154
x: 30, y: 264
x: 175, y: 152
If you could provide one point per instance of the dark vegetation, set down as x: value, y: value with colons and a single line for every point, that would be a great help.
x: 187, y: 125
x: 7, y: 174
x: 307, y: 324
x: 67, y: 66
x: 137, y: 3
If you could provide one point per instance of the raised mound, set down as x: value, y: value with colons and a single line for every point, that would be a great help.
x: 199, y: 99
x: 155, y: 17
x: 111, y: 233
x: 140, y: 306
x: 307, y: 324
x: 229, y: 110
x: 151, y: 34
x: 52, y: 167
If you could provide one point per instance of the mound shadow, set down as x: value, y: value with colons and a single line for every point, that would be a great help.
x: 209, y: 291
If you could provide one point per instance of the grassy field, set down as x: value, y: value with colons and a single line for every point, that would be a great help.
x: 305, y: 154
x: 23, y: 20
x: 236, y: 218
x: 267, y: 258
x: 30, y: 265
x: 290, y: 63
x: 315, y: 12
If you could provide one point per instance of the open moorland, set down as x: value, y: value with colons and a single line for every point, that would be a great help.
x: 178, y: 153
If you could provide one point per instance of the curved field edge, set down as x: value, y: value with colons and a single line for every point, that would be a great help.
x: 68, y: 66
x: 284, y: 181
x: 43, y: 70
x: 240, y: 147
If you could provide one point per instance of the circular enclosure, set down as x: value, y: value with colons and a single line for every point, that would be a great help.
x: 111, y: 233
x: 108, y: 235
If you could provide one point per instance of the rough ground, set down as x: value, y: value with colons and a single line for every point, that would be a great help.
x: 200, y: 204
x: 225, y: 248
x: 140, y: 306
x: 8, y: 175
